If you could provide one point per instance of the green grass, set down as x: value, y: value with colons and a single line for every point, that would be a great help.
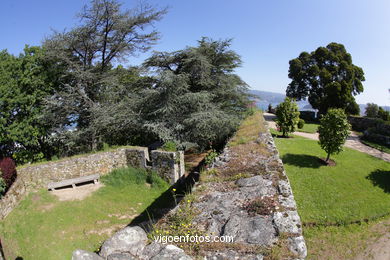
x: 42, y: 227
x: 309, y: 128
x: 343, y: 242
x: 357, y: 188
x: 380, y: 147
x: 329, y: 199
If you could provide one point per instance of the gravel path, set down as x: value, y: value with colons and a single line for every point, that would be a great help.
x: 352, y: 141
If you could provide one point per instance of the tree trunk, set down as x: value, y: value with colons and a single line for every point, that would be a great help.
x: 327, y: 158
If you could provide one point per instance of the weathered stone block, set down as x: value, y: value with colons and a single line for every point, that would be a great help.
x: 128, y: 240
x: 168, y: 165
x: 85, y: 255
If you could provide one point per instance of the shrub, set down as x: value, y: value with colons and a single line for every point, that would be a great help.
x: 8, y: 171
x: 260, y: 206
x: 301, y: 123
x: 333, y: 131
x: 170, y: 146
x: 287, y: 116
x: 210, y: 157
x: 2, y: 187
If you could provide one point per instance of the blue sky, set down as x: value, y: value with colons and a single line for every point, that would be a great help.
x: 267, y: 34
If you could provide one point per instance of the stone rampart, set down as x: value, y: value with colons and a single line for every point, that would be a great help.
x: 169, y: 165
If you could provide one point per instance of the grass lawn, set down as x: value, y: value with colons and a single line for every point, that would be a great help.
x: 42, y: 227
x: 309, y: 128
x: 356, y: 189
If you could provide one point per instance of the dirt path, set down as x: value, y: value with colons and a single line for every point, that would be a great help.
x: 352, y: 142
x: 378, y: 249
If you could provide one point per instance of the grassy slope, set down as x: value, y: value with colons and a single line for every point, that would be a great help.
x: 42, y: 227
x: 358, y: 188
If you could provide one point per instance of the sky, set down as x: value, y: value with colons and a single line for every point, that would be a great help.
x: 267, y: 34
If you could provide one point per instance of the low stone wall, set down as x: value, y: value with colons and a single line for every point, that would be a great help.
x: 169, y: 165
x: 220, y: 206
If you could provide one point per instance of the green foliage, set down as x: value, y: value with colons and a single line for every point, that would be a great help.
x: 95, y: 97
x: 24, y: 83
x: 270, y: 108
x: 287, y: 116
x: 3, y: 186
x: 372, y: 110
x: 196, y: 99
x: 327, y: 77
x: 383, y: 114
x: 127, y: 176
x: 170, y: 146
x: 210, y: 157
x: 333, y: 131
x: 301, y: 123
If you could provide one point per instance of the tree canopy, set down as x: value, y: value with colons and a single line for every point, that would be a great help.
x: 106, y: 36
x: 196, y: 98
x: 24, y: 83
x: 372, y: 110
x: 77, y: 93
x: 327, y: 77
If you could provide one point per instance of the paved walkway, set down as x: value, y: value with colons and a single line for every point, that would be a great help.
x: 352, y: 140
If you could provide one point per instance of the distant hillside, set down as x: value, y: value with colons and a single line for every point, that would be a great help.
x: 264, y: 98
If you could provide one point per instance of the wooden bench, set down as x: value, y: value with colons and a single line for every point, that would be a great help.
x: 73, y: 182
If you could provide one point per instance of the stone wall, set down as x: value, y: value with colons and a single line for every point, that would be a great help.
x: 220, y: 212
x: 169, y: 165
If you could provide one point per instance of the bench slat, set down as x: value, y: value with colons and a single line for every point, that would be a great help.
x: 73, y: 181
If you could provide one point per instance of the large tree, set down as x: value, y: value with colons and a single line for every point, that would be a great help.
x: 372, y: 110
x: 327, y: 77
x: 24, y: 83
x: 106, y: 36
x: 197, y: 98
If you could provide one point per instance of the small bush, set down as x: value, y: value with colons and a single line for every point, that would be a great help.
x: 333, y: 131
x: 287, y: 116
x: 8, y: 171
x: 210, y: 157
x: 127, y: 176
x: 260, y: 206
x: 170, y: 146
x: 2, y: 187
x: 301, y: 123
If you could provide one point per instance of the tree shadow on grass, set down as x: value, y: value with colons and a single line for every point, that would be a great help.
x: 302, y: 160
x: 381, y: 179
